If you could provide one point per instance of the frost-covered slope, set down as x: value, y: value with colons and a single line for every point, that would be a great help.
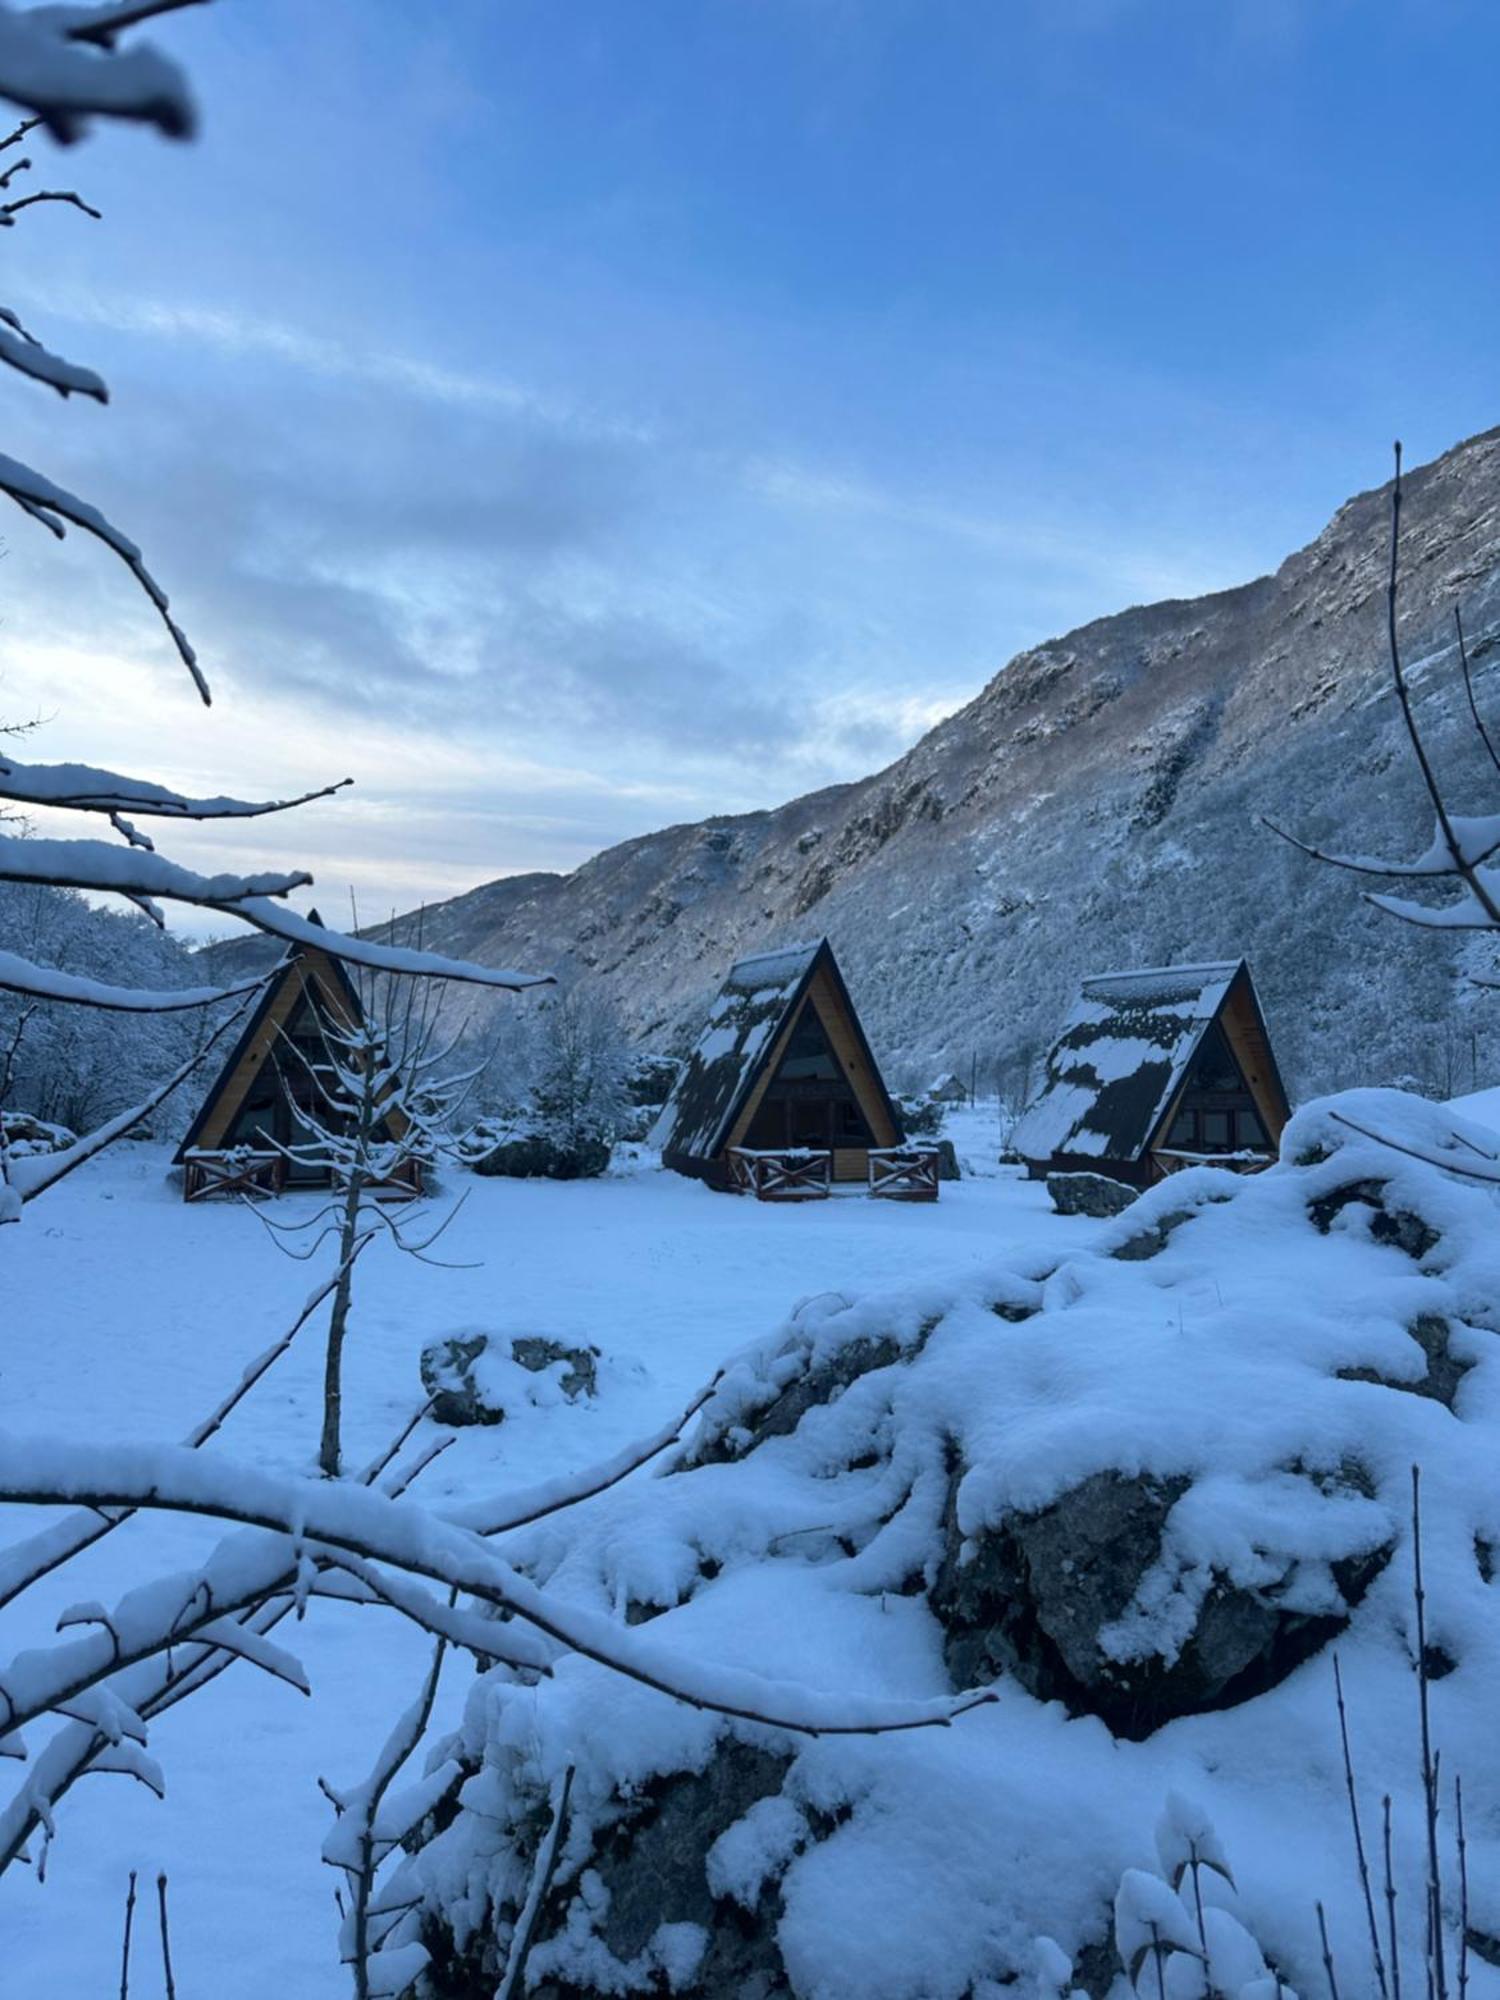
x: 1142, y: 1489
x: 1096, y: 806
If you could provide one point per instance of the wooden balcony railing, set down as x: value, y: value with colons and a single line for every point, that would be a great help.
x: 904, y: 1173
x: 1172, y: 1159
x: 800, y: 1173
x: 237, y: 1171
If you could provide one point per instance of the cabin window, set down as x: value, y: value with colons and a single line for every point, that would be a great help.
x: 1184, y: 1130
x: 1249, y: 1133
x: 1216, y: 1128
x: 808, y: 1058
x: 1215, y: 1068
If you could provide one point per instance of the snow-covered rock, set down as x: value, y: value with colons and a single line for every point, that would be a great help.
x: 25, y: 1137
x: 482, y: 1378
x: 1089, y: 1194
x: 1139, y: 1490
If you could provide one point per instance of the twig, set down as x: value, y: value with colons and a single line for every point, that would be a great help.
x: 1390, y: 1903
x: 1463, y: 659
x: 1463, y: 1890
x: 1437, y: 1970
x: 166, y: 1938
x: 1359, y: 1839
x: 1333, y: 1984
x: 125, y: 1950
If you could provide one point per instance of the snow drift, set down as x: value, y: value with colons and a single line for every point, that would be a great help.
x: 1146, y: 1491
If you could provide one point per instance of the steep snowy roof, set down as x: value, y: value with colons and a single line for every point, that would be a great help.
x: 1119, y: 1060
x: 742, y: 1024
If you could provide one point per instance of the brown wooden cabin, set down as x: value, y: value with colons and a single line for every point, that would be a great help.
x: 781, y: 1064
x: 234, y: 1144
x: 1155, y: 1070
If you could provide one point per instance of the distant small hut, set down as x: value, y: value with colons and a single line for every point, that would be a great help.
x: 782, y: 1066
x: 1155, y: 1070
x: 949, y: 1089
x: 238, y: 1141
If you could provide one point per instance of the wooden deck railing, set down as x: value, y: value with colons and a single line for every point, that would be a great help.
x: 403, y: 1183
x: 904, y: 1173
x: 1172, y: 1159
x: 237, y: 1171
x: 800, y: 1173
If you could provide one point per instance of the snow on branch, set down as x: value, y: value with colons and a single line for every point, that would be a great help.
x: 97, y: 866
x: 397, y: 959
x: 83, y: 788
x: 55, y: 507
x: 45, y: 982
x: 158, y: 1684
x: 100, y: 867
x: 19, y: 350
x: 54, y: 1472
x: 62, y: 63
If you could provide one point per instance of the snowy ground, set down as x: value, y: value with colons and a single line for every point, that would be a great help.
x: 125, y: 1315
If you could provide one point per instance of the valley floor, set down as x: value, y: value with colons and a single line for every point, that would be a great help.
x: 126, y: 1316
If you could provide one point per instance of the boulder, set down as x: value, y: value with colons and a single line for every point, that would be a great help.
x: 1390, y: 1223
x: 479, y: 1378
x: 1445, y: 1370
x: 649, y: 1896
x: 1043, y: 1596
x: 1089, y: 1194
x: 27, y: 1137
x: 541, y: 1155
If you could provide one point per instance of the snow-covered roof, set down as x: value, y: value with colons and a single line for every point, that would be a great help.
x: 1118, y: 1062
x: 743, y: 1022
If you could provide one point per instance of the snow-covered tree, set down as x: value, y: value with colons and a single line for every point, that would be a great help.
x: 579, y: 1093
x: 377, y: 1109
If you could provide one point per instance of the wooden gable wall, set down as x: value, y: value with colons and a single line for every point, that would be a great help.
x: 1244, y: 1030
x: 310, y: 967
x: 823, y: 994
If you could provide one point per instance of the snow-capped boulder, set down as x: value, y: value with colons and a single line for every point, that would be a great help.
x: 1138, y: 1495
x: 26, y: 1137
x: 1089, y: 1194
x: 1060, y: 1598
x: 482, y: 1378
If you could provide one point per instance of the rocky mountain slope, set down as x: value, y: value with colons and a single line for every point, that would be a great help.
x: 1097, y: 805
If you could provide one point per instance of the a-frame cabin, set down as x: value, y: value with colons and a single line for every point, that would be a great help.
x: 238, y: 1139
x: 782, y: 1064
x: 1155, y: 1070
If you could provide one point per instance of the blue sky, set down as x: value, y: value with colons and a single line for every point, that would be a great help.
x: 571, y: 418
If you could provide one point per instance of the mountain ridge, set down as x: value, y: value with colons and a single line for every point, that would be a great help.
x: 1098, y: 801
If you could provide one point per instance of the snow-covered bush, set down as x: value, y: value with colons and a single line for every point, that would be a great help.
x: 922, y: 1117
